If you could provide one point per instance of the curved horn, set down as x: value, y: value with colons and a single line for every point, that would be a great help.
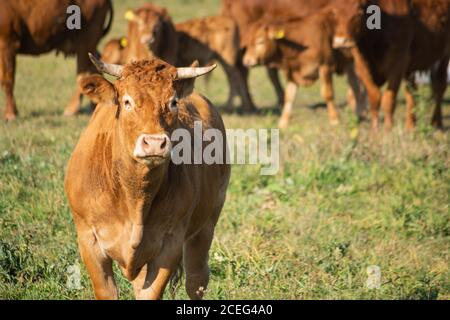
x: 111, y: 69
x: 193, y: 72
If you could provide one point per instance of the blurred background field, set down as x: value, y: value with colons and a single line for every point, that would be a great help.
x: 342, y: 201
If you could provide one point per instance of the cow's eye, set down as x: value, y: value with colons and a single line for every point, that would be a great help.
x: 128, y: 102
x: 173, y: 104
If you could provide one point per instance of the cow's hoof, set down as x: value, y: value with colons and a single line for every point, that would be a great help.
x: 283, y: 123
x: 70, y: 113
x: 334, y: 122
x: 437, y: 124
x: 10, y: 117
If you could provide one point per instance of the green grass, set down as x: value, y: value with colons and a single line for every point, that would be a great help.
x: 339, y: 204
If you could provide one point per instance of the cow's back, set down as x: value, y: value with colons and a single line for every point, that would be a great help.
x: 431, y: 33
x: 198, y: 37
x: 41, y: 25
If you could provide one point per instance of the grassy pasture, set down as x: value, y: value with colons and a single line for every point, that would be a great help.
x: 342, y: 201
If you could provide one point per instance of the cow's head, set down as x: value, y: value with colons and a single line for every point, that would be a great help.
x: 262, y: 48
x: 260, y: 43
x: 349, y: 22
x: 146, y: 26
x: 145, y: 99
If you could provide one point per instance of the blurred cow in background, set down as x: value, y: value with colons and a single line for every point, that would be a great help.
x: 215, y: 38
x: 36, y: 27
x: 414, y: 36
x: 151, y: 33
x: 302, y: 47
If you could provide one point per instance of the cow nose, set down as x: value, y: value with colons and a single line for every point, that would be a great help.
x: 152, y: 145
x: 249, y: 61
x: 342, y: 42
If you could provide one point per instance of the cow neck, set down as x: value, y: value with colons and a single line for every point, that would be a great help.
x: 137, y: 185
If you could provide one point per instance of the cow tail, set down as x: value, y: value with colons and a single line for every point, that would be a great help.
x: 111, y: 18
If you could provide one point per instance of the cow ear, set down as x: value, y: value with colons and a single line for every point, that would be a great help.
x: 98, y: 89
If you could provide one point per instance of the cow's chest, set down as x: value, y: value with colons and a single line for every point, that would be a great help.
x: 125, y: 240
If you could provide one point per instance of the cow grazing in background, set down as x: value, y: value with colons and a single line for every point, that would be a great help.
x: 36, y: 27
x: 302, y: 47
x: 244, y: 13
x: 114, y: 51
x: 414, y: 36
x: 151, y: 33
x: 215, y: 38
x: 130, y: 203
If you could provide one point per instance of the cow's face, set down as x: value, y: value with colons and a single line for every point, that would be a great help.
x: 146, y: 100
x: 146, y: 27
x: 260, y: 44
x: 349, y: 16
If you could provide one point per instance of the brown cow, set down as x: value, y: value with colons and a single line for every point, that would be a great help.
x: 215, y: 38
x: 114, y: 51
x: 151, y: 33
x: 130, y: 203
x: 414, y: 35
x: 244, y: 13
x: 35, y: 27
x: 302, y: 47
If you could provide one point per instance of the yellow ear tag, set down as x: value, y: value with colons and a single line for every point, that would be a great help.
x: 129, y: 15
x: 279, y: 34
x: 124, y: 42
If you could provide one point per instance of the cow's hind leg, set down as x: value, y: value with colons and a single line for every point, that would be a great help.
x: 98, y: 264
x: 195, y: 255
x: 242, y: 74
x: 7, y: 73
x: 409, y: 97
x: 439, y: 83
x: 234, y: 84
x: 389, y: 100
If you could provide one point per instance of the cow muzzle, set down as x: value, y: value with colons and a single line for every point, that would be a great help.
x: 343, y: 43
x: 249, y: 61
x: 152, y: 147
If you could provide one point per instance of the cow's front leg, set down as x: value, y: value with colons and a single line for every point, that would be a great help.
x: 155, y: 275
x: 289, y: 98
x: 326, y: 81
x: 275, y: 79
x: 98, y: 264
x: 7, y: 72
